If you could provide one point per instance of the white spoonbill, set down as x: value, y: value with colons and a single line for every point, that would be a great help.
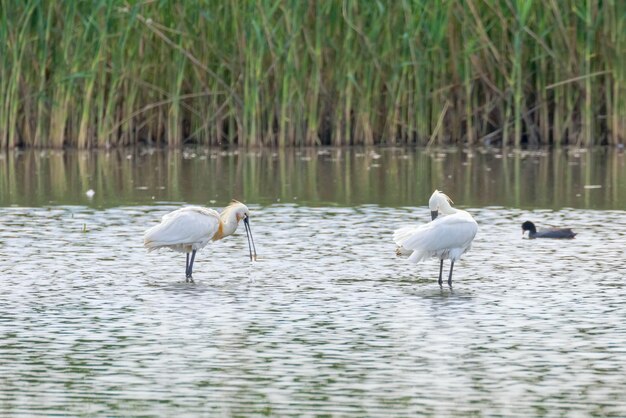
x: 445, y: 237
x: 189, y: 229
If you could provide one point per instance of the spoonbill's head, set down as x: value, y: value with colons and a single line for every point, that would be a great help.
x: 529, y: 226
x: 238, y: 210
x: 231, y: 216
x: 439, y: 202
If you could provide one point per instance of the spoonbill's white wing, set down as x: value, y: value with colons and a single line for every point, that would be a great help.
x: 402, y: 234
x: 446, y: 237
x: 199, y: 209
x: 189, y: 226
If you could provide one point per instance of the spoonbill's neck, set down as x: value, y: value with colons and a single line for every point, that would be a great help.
x: 228, y: 222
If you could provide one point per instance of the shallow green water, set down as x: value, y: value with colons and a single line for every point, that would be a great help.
x: 328, y: 321
x: 383, y: 176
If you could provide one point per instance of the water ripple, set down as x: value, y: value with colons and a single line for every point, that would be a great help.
x: 328, y: 321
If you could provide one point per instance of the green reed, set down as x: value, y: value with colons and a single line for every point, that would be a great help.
x: 98, y: 73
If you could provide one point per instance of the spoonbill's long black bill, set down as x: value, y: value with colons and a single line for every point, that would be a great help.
x: 246, y: 224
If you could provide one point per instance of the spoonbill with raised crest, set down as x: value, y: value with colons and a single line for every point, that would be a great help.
x: 446, y: 237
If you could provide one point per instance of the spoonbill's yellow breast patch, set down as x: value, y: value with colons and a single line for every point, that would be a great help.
x: 220, y: 232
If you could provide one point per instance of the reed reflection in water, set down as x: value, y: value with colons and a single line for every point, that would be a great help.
x: 383, y: 176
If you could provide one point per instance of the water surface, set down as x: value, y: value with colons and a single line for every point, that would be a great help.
x: 391, y: 177
x: 328, y: 321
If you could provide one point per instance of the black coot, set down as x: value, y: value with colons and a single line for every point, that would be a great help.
x: 559, y: 233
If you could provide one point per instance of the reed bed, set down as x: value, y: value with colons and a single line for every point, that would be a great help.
x: 102, y: 73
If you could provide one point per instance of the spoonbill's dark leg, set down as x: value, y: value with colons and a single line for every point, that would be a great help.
x: 440, y: 272
x: 187, y: 269
x: 190, y: 268
x: 450, y: 276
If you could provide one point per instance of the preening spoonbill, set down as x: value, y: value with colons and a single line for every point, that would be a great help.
x: 546, y: 233
x: 446, y: 237
x: 189, y: 229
